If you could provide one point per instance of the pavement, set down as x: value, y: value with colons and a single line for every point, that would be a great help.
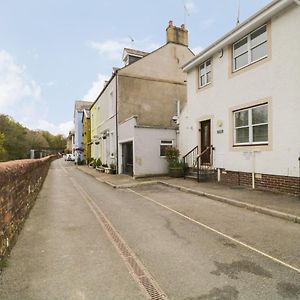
x: 278, y: 205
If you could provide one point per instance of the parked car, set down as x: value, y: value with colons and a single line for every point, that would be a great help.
x: 69, y: 157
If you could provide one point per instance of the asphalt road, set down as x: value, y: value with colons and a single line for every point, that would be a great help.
x: 86, y: 240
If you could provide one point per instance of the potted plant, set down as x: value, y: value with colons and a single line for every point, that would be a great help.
x: 112, y: 168
x: 175, y: 165
x: 98, y: 163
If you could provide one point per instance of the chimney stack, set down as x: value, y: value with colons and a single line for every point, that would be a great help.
x: 177, y: 35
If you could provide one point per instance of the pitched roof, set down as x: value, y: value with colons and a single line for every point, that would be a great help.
x: 262, y: 16
x: 134, y: 52
x: 81, y: 105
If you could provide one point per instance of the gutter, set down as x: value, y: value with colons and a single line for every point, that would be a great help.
x: 261, y: 17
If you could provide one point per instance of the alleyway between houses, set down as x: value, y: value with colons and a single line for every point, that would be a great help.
x: 86, y: 240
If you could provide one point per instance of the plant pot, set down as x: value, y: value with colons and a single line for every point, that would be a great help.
x: 176, y: 172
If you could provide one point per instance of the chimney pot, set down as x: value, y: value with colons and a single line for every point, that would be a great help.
x: 177, y: 35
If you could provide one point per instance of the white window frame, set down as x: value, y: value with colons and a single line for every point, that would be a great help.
x: 250, y: 126
x: 206, y: 72
x: 249, y: 48
x: 165, y: 143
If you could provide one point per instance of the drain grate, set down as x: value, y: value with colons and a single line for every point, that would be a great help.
x: 151, y: 290
x: 135, y: 266
x: 137, y: 270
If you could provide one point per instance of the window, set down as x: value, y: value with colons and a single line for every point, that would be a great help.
x: 163, y: 146
x: 251, y: 125
x: 205, y: 73
x: 111, y: 104
x: 250, y: 48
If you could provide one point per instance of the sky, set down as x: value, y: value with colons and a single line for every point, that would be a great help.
x: 54, y: 52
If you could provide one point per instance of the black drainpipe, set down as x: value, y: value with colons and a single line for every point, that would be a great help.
x: 117, y: 137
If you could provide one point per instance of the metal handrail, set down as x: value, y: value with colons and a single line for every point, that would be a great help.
x: 184, y: 158
x: 204, y: 151
x: 197, y: 162
x: 199, y: 159
x: 190, y: 152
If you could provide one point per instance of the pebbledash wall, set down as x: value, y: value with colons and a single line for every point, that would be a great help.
x: 274, y: 80
x: 20, y: 183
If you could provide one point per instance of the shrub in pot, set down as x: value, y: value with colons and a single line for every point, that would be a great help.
x: 174, y: 164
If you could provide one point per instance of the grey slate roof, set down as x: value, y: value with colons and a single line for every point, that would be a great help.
x: 81, y: 105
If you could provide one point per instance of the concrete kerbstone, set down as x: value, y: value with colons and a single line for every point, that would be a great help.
x: 259, y: 209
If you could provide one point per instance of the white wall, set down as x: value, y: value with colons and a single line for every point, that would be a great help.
x: 106, y: 123
x: 146, y: 147
x: 276, y: 80
x: 147, y: 158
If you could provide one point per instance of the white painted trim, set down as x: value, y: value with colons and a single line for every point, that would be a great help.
x: 261, y: 17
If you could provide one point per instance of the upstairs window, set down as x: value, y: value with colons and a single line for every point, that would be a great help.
x: 250, y: 48
x: 205, y: 73
x: 251, y: 125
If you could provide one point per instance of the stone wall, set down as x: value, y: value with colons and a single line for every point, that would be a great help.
x: 20, y: 183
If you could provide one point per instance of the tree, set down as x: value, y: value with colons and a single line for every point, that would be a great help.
x: 16, y: 141
x: 2, y: 149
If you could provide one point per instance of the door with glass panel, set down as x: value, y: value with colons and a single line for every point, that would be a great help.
x: 205, y: 139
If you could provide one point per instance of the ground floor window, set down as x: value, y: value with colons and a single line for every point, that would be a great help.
x: 163, y: 145
x: 251, y: 125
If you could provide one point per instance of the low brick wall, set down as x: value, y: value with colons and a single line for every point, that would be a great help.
x: 284, y: 184
x: 20, y: 183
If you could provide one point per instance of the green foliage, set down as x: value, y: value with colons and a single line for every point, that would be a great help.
x: 98, y: 162
x: 172, y: 153
x: 2, y: 149
x: 175, y: 163
x: 17, y: 140
x: 172, y: 156
x: 3, y: 264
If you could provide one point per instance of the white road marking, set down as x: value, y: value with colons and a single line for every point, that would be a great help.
x: 218, y: 232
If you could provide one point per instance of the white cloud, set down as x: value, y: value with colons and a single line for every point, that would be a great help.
x: 190, y: 7
x: 96, y: 88
x: 113, y: 49
x: 110, y: 48
x: 62, y: 128
x: 20, y: 97
x: 14, y: 83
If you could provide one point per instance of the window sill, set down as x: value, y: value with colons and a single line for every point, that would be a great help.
x: 250, y: 145
x: 204, y: 87
x: 249, y: 65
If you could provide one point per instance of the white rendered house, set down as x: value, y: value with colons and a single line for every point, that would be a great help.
x: 244, y: 101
